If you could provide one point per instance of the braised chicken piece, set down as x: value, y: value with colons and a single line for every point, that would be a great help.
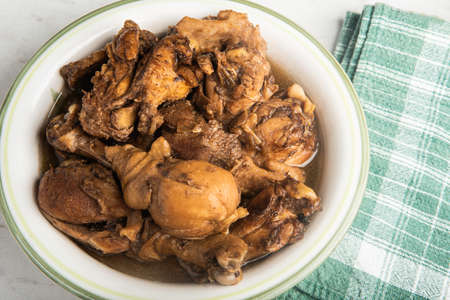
x: 188, y: 199
x: 280, y: 130
x: 252, y: 179
x: 181, y: 116
x: 274, y: 218
x: 191, y: 137
x: 217, y: 257
x: 236, y: 48
x: 77, y: 74
x: 163, y: 76
x: 105, y: 112
x: 107, y: 241
x: 79, y: 192
x: 64, y: 133
x: 134, y: 225
x: 229, y: 28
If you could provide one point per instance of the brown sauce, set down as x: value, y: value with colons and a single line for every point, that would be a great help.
x: 168, y: 270
x: 165, y: 271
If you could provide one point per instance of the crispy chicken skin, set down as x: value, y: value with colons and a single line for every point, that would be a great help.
x: 182, y: 146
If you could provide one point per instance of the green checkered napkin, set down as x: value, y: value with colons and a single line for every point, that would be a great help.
x: 398, y: 247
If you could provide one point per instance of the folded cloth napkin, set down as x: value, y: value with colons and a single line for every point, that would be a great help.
x: 398, y: 247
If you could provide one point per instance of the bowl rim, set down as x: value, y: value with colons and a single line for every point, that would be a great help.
x: 266, y: 293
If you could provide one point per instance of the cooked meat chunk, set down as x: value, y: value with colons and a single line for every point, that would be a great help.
x: 188, y: 199
x: 191, y: 137
x: 215, y: 258
x: 211, y: 143
x: 134, y: 225
x: 105, y: 241
x: 79, y: 192
x: 181, y: 116
x: 301, y: 199
x: 77, y: 74
x: 195, y: 199
x: 273, y: 219
x: 147, y: 41
x: 240, y: 80
x: 229, y: 28
x: 157, y: 80
x: 241, y: 65
x: 278, y: 130
x: 105, y: 112
x: 205, y: 63
x: 136, y: 169
x: 251, y: 178
x: 64, y: 133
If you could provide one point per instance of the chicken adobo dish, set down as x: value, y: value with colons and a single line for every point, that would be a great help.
x: 182, y: 145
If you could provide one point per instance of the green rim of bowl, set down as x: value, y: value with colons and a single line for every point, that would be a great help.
x: 268, y: 293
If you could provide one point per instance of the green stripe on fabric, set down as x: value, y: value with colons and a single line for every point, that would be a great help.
x: 350, y: 22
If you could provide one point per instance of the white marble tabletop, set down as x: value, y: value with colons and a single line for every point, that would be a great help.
x: 27, y: 24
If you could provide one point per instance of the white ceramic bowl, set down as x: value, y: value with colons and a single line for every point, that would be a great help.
x: 344, y: 142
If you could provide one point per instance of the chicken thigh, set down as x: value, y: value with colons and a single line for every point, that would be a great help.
x: 78, y: 193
